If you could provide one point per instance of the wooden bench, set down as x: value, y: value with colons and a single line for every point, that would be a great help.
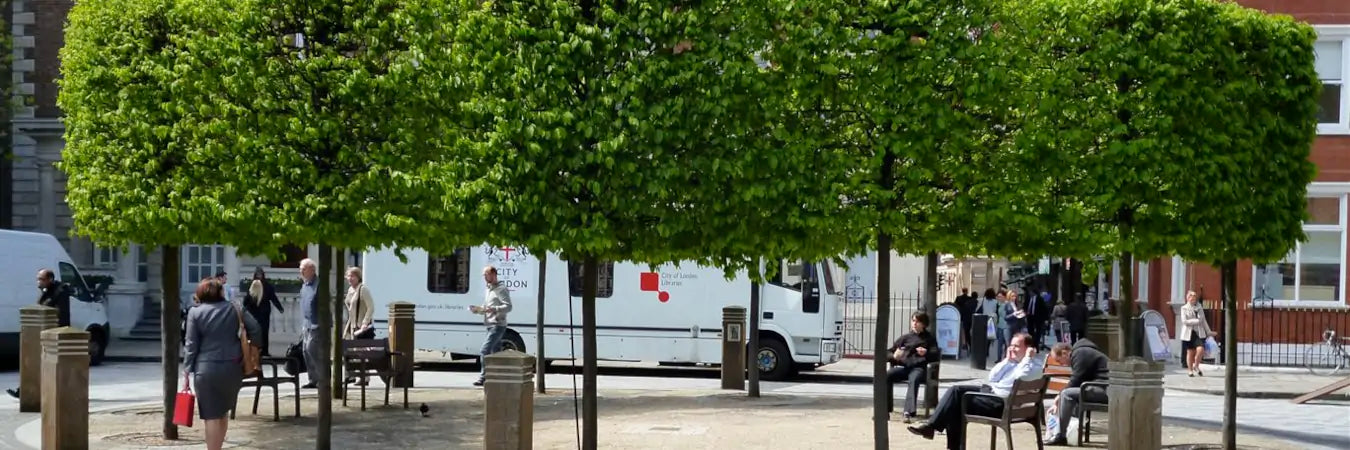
x: 1059, y: 378
x: 1023, y: 405
x: 262, y: 380
x: 365, y: 358
x: 931, y: 373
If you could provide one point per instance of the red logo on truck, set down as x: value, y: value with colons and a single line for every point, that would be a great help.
x: 651, y: 282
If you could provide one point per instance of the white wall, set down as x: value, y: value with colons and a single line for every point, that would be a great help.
x: 860, y: 280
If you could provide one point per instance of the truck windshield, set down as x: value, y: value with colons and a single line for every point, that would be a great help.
x: 832, y: 284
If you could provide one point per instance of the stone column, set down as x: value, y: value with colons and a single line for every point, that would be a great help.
x: 401, y: 321
x: 733, y: 348
x: 46, y: 194
x: 508, y: 401
x: 1105, y: 331
x: 65, y: 393
x: 1135, y: 410
x: 32, y: 321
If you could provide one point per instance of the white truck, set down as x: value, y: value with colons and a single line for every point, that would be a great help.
x: 22, y: 255
x: 667, y: 315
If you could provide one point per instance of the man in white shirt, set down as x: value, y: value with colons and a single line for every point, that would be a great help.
x: 496, y: 304
x: 1019, y: 362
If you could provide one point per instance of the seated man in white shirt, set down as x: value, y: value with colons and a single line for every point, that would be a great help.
x: 1019, y: 362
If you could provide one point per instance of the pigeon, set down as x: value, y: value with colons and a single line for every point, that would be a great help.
x: 425, y: 410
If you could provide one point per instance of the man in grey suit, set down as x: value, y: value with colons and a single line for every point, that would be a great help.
x: 311, y: 339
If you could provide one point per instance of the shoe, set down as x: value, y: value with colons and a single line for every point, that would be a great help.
x: 1059, y: 441
x: 921, y: 430
x: 309, y: 386
x: 12, y: 392
x: 361, y: 382
x: 478, y: 383
x: 909, y: 418
x: 1191, y: 374
x: 1198, y: 372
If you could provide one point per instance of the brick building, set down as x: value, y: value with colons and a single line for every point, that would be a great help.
x: 1284, y: 306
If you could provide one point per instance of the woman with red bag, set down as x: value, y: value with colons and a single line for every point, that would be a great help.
x: 213, y: 354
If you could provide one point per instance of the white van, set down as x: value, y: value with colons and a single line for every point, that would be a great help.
x: 668, y: 315
x: 22, y: 255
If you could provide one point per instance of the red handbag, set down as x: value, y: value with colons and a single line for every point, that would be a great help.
x: 184, y: 404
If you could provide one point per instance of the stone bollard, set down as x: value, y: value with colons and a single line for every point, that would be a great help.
x: 65, y: 393
x: 32, y: 321
x: 508, y: 401
x: 1135, y: 405
x: 1105, y: 331
x: 401, y: 321
x: 733, y: 348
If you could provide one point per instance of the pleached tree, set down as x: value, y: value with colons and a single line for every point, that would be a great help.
x: 631, y: 131
x: 254, y: 124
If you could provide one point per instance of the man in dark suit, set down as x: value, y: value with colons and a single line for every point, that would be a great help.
x: 54, y: 295
x: 1037, y: 316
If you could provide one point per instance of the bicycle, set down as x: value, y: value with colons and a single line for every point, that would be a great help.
x: 1328, y: 356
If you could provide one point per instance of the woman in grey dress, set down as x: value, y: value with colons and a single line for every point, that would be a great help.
x: 212, y: 354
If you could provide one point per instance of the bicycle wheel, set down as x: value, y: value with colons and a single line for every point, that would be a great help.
x: 1324, y: 359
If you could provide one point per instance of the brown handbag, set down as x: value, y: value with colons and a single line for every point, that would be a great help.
x: 250, y: 355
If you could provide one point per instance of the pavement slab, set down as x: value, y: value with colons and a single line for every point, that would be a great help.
x: 683, y: 419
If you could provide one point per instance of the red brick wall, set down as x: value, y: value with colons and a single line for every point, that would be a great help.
x: 48, y: 38
x: 1311, y: 11
x: 1332, y: 156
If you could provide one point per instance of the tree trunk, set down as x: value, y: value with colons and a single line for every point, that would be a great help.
x: 322, y: 303
x: 1228, y: 272
x: 539, y: 363
x: 1125, y: 307
x: 881, y: 388
x: 335, y: 372
x: 752, y: 350
x: 589, y: 423
x: 930, y: 390
x: 170, y: 317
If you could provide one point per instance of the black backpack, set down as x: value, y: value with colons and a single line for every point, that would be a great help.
x: 295, y: 359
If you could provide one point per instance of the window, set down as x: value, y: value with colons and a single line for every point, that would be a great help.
x: 801, y: 277
x: 448, y: 274
x: 1313, y: 272
x: 70, y: 276
x: 604, y: 286
x: 142, y: 264
x: 1333, y: 67
x: 106, y: 257
x: 201, y: 261
x: 1141, y: 282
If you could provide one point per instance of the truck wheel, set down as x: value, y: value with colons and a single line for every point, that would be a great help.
x: 512, y: 341
x: 773, y: 359
x: 98, y: 345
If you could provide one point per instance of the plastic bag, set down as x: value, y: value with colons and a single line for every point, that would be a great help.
x: 1211, y: 346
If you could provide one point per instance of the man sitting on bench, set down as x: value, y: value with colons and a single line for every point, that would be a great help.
x: 909, y: 359
x: 1087, y: 363
x: 1019, y: 362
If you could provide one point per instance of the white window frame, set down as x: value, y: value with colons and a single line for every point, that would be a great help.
x: 1179, y: 286
x: 216, y: 263
x: 106, y: 257
x: 1141, y: 281
x: 1338, y: 33
x: 1317, y: 190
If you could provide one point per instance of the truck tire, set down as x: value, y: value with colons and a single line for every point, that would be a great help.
x: 512, y: 341
x: 773, y: 360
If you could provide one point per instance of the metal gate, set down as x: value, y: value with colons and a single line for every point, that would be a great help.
x: 860, y: 322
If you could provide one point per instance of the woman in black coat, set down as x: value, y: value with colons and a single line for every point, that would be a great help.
x: 259, y: 300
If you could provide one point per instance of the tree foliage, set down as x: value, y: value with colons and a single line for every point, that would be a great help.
x: 254, y: 123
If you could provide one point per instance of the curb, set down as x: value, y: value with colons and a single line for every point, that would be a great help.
x: 131, y: 359
x: 1260, y: 395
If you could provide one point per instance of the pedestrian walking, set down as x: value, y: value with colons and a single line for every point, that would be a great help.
x: 212, y: 355
x: 311, y: 339
x: 360, y: 311
x: 1194, y: 329
x: 52, y: 294
x: 262, y: 296
x: 496, y: 304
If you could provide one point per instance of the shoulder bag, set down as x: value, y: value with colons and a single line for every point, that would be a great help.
x: 250, y: 356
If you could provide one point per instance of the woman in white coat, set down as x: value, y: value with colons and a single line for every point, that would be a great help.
x: 1194, y: 330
